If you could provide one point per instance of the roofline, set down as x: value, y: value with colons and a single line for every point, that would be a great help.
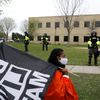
x: 69, y: 15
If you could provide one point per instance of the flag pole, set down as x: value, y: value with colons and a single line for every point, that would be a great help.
x: 66, y: 70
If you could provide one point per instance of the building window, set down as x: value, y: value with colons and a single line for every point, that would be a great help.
x: 48, y: 25
x: 99, y: 38
x: 57, y: 24
x: 48, y: 38
x: 56, y: 38
x: 65, y: 38
x: 86, y: 38
x: 39, y: 38
x: 66, y: 24
x: 76, y: 38
x: 76, y: 24
x: 97, y: 24
x: 39, y: 25
x: 86, y: 24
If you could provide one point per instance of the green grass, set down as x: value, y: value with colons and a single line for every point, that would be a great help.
x: 74, y: 53
x: 87, y: 85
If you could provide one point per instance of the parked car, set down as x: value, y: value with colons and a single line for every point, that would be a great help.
x: 2, y: 40
x: 10, y: 40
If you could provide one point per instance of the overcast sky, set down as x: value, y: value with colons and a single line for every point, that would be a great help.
x: 22, y: 9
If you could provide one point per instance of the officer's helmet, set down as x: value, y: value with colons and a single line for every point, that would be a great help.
x: 93, y: 33
x: 26, y: 33
x: 45, y: 34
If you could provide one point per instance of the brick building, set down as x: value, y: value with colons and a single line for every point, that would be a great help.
x: 79, y: 34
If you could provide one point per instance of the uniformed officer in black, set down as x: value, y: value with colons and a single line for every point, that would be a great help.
x: 26, y: 41
x: 93, y: 44
x: 45, y: 42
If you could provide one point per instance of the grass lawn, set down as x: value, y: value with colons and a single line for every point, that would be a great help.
x: 87, y: 85
x: 75, y: 54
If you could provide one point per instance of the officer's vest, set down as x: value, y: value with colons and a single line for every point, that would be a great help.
x: 45, y: 39
x: 26, y: 38
x: 93, y: 42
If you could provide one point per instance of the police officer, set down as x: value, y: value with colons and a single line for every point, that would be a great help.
x: 45, y: 42
x: 93, y: 44
x: 26, y: 41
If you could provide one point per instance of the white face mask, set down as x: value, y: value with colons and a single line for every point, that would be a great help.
x: 63, y: 61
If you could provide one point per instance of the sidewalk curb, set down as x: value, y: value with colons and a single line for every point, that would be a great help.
x: 84, y: 69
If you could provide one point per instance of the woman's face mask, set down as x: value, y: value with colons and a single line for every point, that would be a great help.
x: 63, y: 61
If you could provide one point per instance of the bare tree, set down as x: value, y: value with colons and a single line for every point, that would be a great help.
x: 7, y: 25
x: 92, y: 25
x: 32, y: 26
x: 1, y: 28
x: 67, y: 9
x: 24, y: 26
x: 2, y: 3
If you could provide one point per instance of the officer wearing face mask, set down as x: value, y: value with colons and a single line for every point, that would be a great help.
x: 26, y: 41
x: 93, y: 44
x: 45, y: 42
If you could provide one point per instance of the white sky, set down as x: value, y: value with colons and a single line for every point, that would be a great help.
x: 22, y: 9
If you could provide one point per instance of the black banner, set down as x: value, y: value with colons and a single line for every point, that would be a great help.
x: 22, y: 76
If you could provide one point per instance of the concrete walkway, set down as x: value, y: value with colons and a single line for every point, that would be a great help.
x: 84, y: 69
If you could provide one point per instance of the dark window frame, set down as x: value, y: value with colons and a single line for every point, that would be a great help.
x: 97, y: 23
x: 39, y: 38
x: 48, y: 24
x: 65, y: 38
x: 57, y: 24
x: 87, y: 24
x: 48, y: 38
x: 86, y: 38
x: 75, y: 38
x: 76, y: 23
x: 39, y: 25
x: 66, y: 24
x: 56, y: 38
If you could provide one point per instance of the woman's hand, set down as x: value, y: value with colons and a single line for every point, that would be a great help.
x: 64, y: 70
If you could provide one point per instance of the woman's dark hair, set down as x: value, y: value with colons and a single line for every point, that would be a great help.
x: 53, y: 57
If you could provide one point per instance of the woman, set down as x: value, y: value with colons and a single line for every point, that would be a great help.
x: 61, y: 86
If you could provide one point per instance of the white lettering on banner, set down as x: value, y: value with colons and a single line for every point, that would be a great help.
x: 34, y: 93
x: 11, y: 81
x: 2, y: 92
x: 4, y: 66
x: 40, y: 79
x: 25, y: 98
x: 17, y: 80
x: 1, y: 98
